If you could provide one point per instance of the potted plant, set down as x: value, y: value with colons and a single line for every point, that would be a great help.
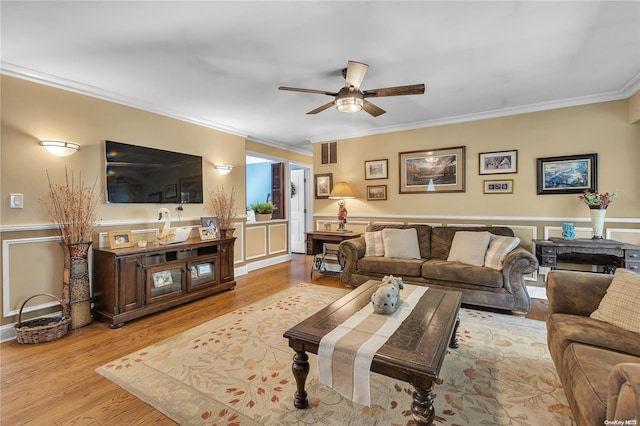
x: 222, y: 205
x: 263, y: 210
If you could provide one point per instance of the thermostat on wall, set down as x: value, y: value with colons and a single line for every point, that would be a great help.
x: 15, y: 201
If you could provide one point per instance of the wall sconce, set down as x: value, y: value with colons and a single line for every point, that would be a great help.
x: 60, y: 148
x: 341, y: 190
x: 223, y: 169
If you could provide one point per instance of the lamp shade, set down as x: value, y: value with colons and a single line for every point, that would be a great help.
x: 341, y: 190
x: 60, y: 148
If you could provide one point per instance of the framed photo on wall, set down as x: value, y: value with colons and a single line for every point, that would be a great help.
x: 323, y: 185
x: 376, y: 192
x: 497, y: 186
x: 569, y: 174
x: 432, y: 170
x: 493, y: 163
x: 376, y: 169
x: 120, y: 239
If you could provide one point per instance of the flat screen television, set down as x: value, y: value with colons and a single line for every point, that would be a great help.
x: 136, y: 174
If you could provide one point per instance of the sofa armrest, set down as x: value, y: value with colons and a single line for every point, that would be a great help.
x: 623, y: 401
x: 576, y: 293
x: 515, y: 265
x: 352, y: 249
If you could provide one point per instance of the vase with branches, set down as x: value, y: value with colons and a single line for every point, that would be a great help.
x: 222, y: 205
x: 73, y: 207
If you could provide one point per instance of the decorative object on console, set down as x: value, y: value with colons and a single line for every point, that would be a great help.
x: 569, y: 174
x: 597, y: 204
x: 73, y: 207
x: 222, y: 205
x: 568, y: 231
x: 120, y: 239
x: 210, y: 223
x: 170, y: 235
x: 432, y: 170
x: 341, y: 191
x: 60, y: 148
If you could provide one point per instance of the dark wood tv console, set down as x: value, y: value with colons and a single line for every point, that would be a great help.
x: 129, y: 283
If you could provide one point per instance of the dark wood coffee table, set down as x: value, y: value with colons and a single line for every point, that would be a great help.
x: 413, y: 354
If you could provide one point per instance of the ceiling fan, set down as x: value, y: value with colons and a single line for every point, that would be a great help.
x: 351, y: 99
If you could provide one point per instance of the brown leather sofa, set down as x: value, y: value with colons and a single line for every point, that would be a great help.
x: 598, y: 363
x: 480, y: 286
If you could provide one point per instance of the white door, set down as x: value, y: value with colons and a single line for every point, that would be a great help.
x: 297, y: 222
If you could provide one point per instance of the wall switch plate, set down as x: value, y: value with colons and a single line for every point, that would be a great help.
x: 15, y: 201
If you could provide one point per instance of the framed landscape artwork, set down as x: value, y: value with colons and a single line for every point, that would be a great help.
x: 376, y: 192
x: 376, y: 169
x: 570, y: 174
x: 323, y: 185
x: 432, y: 170
x: 492, y: 163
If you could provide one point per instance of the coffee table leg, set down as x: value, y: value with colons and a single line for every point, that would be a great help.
x: 453, y: 343
x: 300, y: 370
x: 422, y: 406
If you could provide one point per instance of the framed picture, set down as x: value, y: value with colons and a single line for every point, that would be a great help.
x: 570, y: 174
x: 171, y: 191
x: 207, y: 233
x: 162, y: 278
x: 376, y: 192
x: 324, y: 185
x: 493, y: 163
x: 204, y: 269
x: 376, y: 169
x: 497, y: 186
x: 155, y: 197
x: 120, y: 239
x: 210, y: 222
x: 432, y: 170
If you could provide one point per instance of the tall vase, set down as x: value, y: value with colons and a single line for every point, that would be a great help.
x: 76, y: 293
x: 597, y: 220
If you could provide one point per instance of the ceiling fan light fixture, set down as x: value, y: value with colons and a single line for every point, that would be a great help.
x: 351, y: 103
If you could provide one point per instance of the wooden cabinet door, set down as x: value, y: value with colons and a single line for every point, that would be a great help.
x: 130, y: 284
x: 226, y: 261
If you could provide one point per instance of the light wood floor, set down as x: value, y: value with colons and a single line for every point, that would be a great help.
x: 55, y: 383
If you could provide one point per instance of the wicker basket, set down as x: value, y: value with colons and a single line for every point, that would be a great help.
x: 43, y: 329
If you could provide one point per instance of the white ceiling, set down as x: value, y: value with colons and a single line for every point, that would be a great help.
x: 220, y: 63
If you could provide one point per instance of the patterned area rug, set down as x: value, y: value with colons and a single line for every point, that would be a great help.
x: 236, y: 370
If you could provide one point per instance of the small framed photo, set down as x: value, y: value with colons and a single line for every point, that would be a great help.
x: 207, y: 233
x: 376, y: 169
x: 323, y: 185
x: 171, y: 191
x: 120, y: 239
x: 493, y: 163
x: 211, y: 223
x: 162, y: 278
x: 570, y: 174
x: 376, y: 192
x: 497, y: 186
x: 204, y: 269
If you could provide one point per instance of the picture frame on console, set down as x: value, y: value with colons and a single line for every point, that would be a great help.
x: 568, y: 174
x: 323, y: 185
x: 120, y: 239
x: 500, y: 162
x: 431, y: 171
x: 209, y: 223
x: 376, y: 169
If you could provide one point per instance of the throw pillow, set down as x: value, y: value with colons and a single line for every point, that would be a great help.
x: 469, y: 247
x: 401, y: 243
x: 620, y: 305
x: 374, y: 245
x: 499, y: 248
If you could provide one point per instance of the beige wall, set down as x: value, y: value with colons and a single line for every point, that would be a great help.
x: 634, y: 109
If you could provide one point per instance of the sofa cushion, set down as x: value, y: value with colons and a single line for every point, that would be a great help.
x: 443, y: 270
x: 585, y: 380
x: 374, y: 245
x: 424, y: 235
x: 499, y: 248
x: 469, y: 247
x: 387, y: 266
x: 442, y: 237
x: 401, y: 243
x: 620, y: 306
x: 564, y: 329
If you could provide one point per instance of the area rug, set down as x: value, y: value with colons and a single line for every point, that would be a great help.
x: 236, y: 370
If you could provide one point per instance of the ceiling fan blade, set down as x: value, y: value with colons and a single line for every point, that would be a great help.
x: 413, y: 89
x: 319, y: 92
x: 355, y: 74
x: 322, y: 108
x: 372, y: 109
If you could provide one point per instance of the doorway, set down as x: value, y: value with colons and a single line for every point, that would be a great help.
x: 299, y: 219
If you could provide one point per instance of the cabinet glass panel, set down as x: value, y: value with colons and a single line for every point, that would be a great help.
x: 203, y: 273
x: 165, y: 281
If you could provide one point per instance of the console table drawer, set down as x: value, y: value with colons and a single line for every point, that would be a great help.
x: 548, y: 261
x: 549, y: 251
x: 632, y: 255
x: 632, y: 266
